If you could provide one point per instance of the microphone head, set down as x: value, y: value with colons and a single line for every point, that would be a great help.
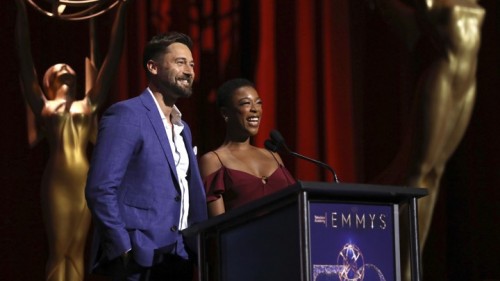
x: 270, y: 145
x: 277, y: 137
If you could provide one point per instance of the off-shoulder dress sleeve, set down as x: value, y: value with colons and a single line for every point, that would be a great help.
x: 214, y: 185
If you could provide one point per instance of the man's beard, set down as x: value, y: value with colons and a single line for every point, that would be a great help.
x: 180, y: 91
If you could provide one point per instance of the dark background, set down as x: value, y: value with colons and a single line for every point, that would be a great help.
x: 464, y: 240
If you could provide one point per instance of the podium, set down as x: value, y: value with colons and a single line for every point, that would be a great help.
x: 311, y: 231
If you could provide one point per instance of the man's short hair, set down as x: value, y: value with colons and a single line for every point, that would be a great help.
x: 159, y: 44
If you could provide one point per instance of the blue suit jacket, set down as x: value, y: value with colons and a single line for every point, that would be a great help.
x: 132, y: 188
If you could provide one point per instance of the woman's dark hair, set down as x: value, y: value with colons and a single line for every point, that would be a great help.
x: 227, y: 89
x: 159, y: 44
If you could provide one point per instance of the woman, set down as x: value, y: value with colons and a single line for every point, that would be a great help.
x: 238, y: 172
x: 68, y: 125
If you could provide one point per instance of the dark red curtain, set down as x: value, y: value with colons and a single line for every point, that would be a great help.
x: 329, y: 74
x: 301, y: 73
x: 297, y: 53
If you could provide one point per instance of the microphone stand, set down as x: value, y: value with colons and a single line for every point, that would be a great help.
x: 278, y: 141
x: 335, y: 178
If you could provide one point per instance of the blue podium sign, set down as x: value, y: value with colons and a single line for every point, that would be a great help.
x: 353, y: 242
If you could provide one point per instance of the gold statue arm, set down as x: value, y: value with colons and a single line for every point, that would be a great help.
x: 30, y: 87
x: 29, y: 79
x: 402, y: 18
x: 98, y: 93
x: 92, y: 63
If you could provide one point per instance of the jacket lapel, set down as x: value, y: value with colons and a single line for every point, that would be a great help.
x: 160, y: 131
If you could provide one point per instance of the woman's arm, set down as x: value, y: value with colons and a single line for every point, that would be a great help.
x: 216, y: 207
x: 209, y: 164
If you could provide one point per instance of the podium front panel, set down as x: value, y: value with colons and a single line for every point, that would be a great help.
x: 267, y: 247
x: 353, y: 241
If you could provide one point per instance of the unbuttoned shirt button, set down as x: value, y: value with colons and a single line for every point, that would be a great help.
x: 177, y: 198
x: 173, y: 228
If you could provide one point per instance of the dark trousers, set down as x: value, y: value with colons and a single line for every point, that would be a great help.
x: 170, y: 268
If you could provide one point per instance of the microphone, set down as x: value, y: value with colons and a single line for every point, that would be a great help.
x: 270, y: 145
x: 278, y: 141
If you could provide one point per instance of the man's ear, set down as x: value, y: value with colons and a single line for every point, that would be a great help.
x: 152, y: 67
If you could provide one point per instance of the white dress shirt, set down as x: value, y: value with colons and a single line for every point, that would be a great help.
x: 181, y: 158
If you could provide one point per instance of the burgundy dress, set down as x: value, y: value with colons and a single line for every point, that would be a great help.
x: 240, y: 187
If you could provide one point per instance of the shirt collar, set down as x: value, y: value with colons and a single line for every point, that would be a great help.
x: 175, y: 115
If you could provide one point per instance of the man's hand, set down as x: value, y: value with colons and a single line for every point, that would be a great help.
x: 125, y: 257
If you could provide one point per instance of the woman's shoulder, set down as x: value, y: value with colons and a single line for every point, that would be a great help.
x: 218, y: 155
x: 208, y: 157
x: 209, y: 163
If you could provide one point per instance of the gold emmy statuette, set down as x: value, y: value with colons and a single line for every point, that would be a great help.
x: 68, y: 125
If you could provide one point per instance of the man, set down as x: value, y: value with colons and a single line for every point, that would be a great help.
x: 144, y: 185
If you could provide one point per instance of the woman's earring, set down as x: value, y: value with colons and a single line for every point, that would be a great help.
x: 225, y: 118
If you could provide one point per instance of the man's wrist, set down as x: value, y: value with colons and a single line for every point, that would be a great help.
x: 125, y: 257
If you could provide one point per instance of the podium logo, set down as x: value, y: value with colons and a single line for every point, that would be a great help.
x: 350, y: 266
x: 353, y: 220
